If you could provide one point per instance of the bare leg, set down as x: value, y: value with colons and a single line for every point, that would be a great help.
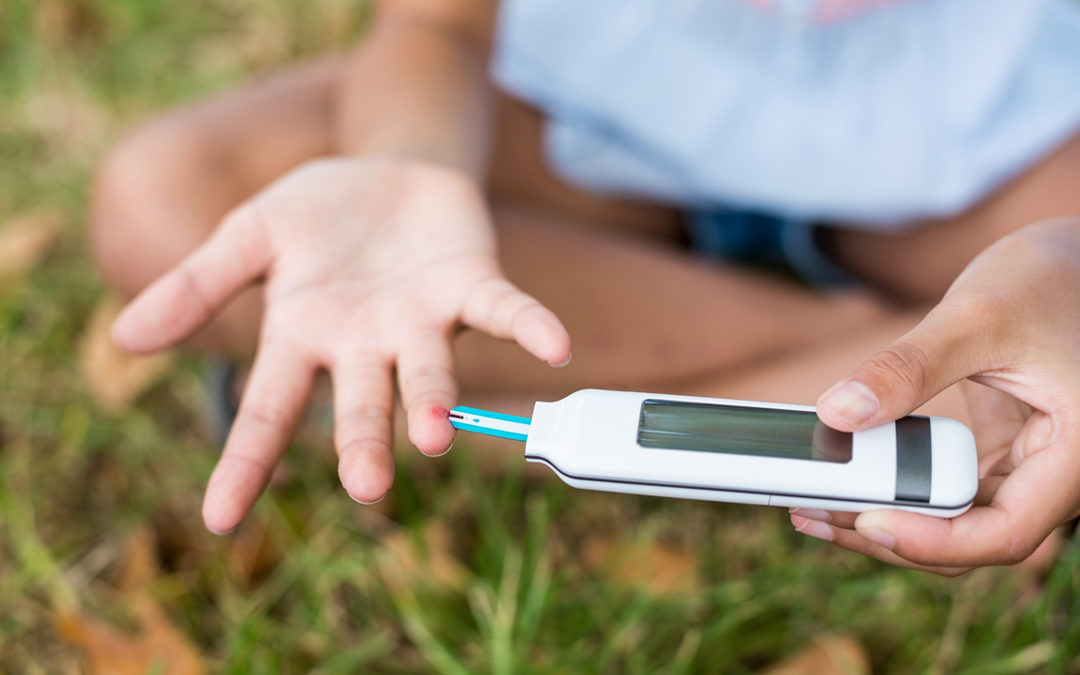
x: 639, y: 310
x: 921, y: 263
x: 164, y: 189
x: 642, y: 314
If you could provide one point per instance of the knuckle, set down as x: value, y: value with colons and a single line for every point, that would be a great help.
x: 528, y: 306
x: 363, y: 421
x: 259, y: 464
x: 195, y: 290
x: 361, y: 443
x: 367, y: 413
x: 436, y: 375
x: 247, y: 251
x: 499, y: 311
x: 973, y: 306
x: 266, y: 415
x: 1017, y: 547
x: 905, y: 363
x: 436, y: 395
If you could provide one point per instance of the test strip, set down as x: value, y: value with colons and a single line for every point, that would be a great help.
x: 490, y: 423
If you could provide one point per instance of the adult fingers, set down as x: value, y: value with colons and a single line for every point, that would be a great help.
x: 988, y: 485
x: 428, y: 390
x: 853, y: 541
x: 187, y: 296
x: 1004, y: 532
x: 841, y: 519
x: 501, y: 309
x: 945, y: 347
x: 273, y: 403
x: 363, y: 426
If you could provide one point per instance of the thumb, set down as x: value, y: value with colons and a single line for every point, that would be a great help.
x: 938, y: 352
x: 189, y: 295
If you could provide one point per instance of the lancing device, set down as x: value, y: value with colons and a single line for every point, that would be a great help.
x: 741, y: 451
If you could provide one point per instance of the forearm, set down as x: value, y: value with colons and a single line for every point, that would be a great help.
x: 418, y: 86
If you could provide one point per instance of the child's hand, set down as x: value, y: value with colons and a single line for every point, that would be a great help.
x: 369, y: 266
x: 1011, y: 323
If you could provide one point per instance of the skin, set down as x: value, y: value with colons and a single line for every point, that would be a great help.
x: 1014, y: 347
x: 330, y: 230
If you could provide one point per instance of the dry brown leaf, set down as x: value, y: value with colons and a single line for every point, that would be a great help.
x: 139, y: 565
x: 25, y: 241
x: 158, y: 645
x: 253, y: 553
x: 403, y: 562
x: 657, y: 568
x: 828, y: 655
x: 113, y: 377
x: 61, y: 22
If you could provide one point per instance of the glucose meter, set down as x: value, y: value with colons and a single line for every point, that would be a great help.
x: 741, y: 451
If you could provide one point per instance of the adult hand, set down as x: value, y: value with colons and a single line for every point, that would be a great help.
x: 369, y: 266
x: 1010, y: 325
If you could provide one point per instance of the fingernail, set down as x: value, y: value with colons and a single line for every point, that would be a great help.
x: 564, y: 363
x: 361, y: 501
x: 852, y: 401
x: 444, y: 451
x: 812, y: 514
x: 813, y: 528
x: 222, y: 533
x: 879, y: 537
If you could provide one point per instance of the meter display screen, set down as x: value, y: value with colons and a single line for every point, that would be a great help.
x: 740, y: 430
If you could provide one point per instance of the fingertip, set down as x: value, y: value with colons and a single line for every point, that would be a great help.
x: 125, y: 331
x: 448, y: 449
x: 430, y: 429
x: 217, y: 517
x: 562, y: 364
x: 882, y: 538
x: 220, y: 533
x: 880, y: 519
x: 365, y: 503
x: 812, y: 528
x: 366, y: 475
x: 848, y: 406
x: 546, y: 338
x: 885, y: 527
x: 149, y: 322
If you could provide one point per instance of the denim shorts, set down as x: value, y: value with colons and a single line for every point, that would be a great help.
x: 765, y: 241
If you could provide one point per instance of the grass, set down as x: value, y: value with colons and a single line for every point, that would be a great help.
x: 463, y: 569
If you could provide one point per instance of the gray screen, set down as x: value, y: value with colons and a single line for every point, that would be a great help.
x: 740, y: 430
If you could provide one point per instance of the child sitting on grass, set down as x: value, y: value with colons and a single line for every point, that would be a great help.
x: 352, y: 214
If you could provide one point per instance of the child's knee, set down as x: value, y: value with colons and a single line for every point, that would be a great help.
x: 142, y: 190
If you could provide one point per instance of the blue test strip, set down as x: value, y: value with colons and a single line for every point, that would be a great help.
x: 490, y: 423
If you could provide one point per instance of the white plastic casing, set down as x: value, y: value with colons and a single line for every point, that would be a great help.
x: 590, y: 440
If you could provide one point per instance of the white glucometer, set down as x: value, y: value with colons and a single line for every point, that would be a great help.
x: 741, y: 451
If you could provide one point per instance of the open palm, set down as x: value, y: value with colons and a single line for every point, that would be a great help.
x: 369, y: 266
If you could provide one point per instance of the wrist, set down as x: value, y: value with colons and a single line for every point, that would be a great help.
x: 418, y: 89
